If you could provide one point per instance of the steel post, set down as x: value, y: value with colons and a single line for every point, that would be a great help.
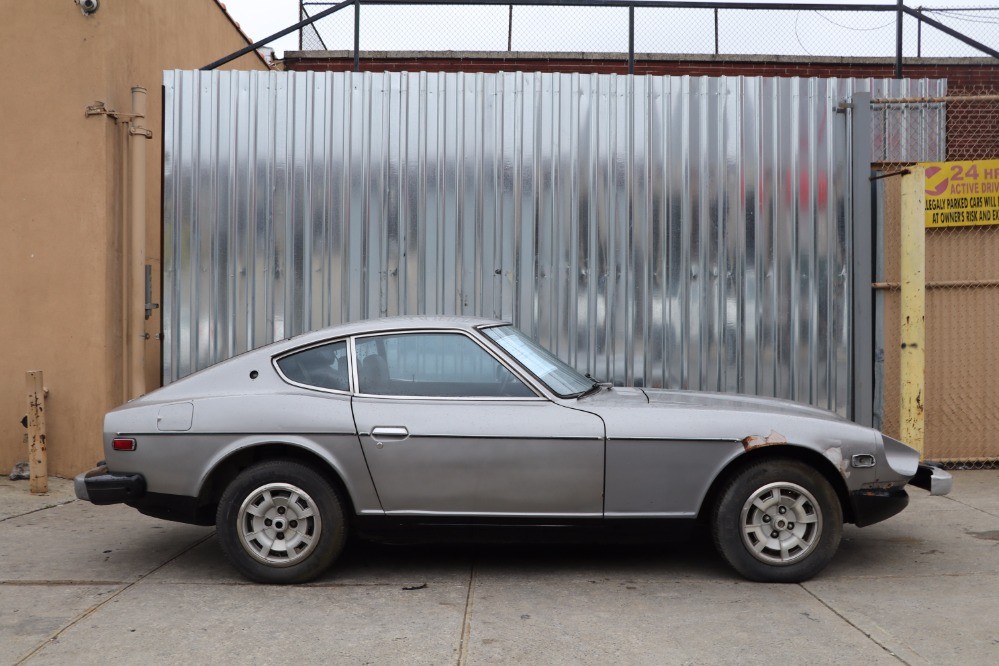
x: 631, y: 39
x: 135, y: 291
x: 913, y: 313
x: 357, y: 35
x: 862, y: 259
x: 899, y: 16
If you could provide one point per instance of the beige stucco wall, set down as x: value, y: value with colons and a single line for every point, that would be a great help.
x: 62, y: 182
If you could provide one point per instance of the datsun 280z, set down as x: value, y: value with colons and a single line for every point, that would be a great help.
x: 418, y: 422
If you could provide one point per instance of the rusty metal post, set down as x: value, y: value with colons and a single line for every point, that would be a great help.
x: 38, y: 461
x: 913, y: 313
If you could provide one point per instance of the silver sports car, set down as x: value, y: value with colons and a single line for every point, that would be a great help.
x: 404, y: 424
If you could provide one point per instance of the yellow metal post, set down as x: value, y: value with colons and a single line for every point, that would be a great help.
x: 38, y: 460
x: 913, y: 279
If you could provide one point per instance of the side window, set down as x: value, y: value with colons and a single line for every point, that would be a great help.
x: 432, y: 365
x: 323, y: 367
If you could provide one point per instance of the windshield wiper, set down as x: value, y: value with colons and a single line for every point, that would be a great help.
x: 593, y: 389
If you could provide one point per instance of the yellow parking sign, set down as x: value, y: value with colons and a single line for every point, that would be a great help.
x: 962, y: 194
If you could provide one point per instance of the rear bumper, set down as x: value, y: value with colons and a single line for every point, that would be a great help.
x: 100, y: 486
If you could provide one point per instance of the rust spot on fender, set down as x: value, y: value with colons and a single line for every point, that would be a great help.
x: 756, y: 441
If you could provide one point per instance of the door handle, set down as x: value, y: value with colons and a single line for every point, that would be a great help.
x: 389, y: 433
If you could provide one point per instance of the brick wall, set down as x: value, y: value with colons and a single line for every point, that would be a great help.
x: 965, y: 75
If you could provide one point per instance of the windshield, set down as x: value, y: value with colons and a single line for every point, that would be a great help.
x: 560, y: 378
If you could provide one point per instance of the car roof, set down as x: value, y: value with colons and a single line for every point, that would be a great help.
x: 206, y: 381
x: 385, y: 324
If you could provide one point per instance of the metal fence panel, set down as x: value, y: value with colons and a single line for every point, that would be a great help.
x: 657, y: 231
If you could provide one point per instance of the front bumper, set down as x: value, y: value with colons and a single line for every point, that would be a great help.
x: 876, y: 502
x: 872, y: 505
x: 100, y: 486
x: 933, y: 478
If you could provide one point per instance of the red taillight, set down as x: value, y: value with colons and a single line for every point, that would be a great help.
x: 123, y: 444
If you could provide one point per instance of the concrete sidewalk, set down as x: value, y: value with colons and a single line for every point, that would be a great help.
x: 88, y: 585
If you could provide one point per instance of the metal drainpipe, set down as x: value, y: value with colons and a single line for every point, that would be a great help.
x: 135, y: 293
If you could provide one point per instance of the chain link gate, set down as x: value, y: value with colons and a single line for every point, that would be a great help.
x: 961, y: 401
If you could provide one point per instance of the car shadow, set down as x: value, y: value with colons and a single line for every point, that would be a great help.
x: 418, y: 563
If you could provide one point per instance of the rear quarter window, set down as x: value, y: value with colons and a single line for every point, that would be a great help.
x: 323, y: 367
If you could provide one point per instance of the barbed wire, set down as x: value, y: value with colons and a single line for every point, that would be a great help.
x: 849, y: 27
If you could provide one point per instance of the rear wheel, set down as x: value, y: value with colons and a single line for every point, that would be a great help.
x: 778, y: 521
x: 280, y: 522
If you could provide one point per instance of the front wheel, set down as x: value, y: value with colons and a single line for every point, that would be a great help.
x: 778, y: 521
x: 280, y: 522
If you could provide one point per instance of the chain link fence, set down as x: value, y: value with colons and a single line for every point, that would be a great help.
x: 388, y: 25
x: 961, y: 401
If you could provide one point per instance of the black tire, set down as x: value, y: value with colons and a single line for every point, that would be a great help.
x: 280, y: 522
x: 794, y: 502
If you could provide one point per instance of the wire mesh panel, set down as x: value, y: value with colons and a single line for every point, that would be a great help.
x: 333, y: 32
x: 961, y: 400
x: 807, y: 33
x: 389, y: 25
x: 978, y: 23
x: 591, y: 29
x: 666, y: 30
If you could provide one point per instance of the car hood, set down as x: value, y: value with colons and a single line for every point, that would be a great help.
x: 735, y: 403
x: 691, y: 415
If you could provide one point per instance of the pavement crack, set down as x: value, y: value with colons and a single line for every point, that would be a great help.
x: 61, y: 582
x: 970, y: 506
x: 933, y: 575
x: 466, y: 622
x: 114, y: 595
x: 891, y: 650
x: 41, y: 508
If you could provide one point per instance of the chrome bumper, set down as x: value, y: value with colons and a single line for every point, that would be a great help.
x: 80, y: 481
x: 933, y: 478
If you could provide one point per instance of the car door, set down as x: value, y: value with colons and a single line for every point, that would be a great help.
x: 447, y: 428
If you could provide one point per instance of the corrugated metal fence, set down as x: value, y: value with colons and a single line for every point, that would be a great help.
x: 657, y: 231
